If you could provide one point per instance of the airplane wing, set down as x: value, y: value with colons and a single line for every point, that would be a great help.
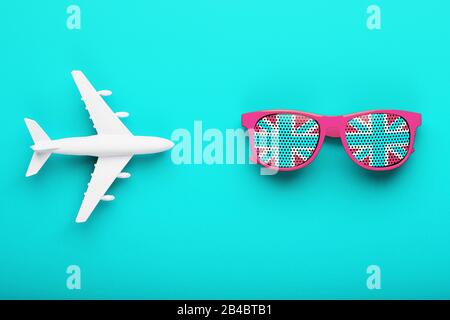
x: 105, y: 172
x: 105, y: 121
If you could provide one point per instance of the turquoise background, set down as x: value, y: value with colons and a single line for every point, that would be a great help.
x: 225, y: 231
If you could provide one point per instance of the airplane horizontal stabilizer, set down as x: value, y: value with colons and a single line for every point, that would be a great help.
x: 41, y: 149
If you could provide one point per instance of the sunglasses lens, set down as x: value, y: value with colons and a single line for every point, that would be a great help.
x: 378, y: 139
x: 285, y: 140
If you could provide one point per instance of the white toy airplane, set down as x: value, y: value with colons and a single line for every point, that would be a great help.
x: 114, y: 145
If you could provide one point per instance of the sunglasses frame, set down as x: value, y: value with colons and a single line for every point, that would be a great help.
x: 330, y: 126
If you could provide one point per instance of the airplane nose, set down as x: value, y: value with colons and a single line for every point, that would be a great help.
x: 168, y: 144
x: 157, y: 144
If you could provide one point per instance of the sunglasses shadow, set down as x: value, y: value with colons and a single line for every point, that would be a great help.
x: 350, y: 169
x: 282, y: 177
x: 353, y: 169
x: 381, y: 176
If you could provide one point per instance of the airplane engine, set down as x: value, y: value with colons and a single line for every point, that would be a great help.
x: 122, y: 114
x: 124, y: 175
x: 104, y: 93
x: 108, y: 197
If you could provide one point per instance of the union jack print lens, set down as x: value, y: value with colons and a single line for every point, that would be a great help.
x: 285, y: 140
x: 378, y: 139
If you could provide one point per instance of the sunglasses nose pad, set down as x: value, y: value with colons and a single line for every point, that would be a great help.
x: 332, y: 132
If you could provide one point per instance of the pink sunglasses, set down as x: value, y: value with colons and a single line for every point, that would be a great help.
x: 289, y: 140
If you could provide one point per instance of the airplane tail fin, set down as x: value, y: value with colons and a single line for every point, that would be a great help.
x: 41, y: 153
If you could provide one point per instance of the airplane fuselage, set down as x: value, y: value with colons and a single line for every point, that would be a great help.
x: 105, y: 145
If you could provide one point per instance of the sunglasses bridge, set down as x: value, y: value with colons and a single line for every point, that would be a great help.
x: 331, y: 125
